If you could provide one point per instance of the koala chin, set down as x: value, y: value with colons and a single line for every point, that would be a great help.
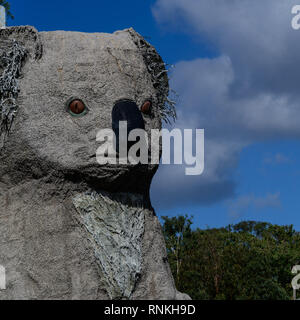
x: 71, y: 228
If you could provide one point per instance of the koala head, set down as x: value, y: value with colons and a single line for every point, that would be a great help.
x: 78, y: 84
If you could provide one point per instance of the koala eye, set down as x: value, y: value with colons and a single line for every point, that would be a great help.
x: 146, y: 107
x: 76, y: 107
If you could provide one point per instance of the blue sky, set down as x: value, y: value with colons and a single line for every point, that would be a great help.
x: 236, y: 71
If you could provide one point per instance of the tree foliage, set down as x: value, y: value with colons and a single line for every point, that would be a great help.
x: 248, y: 261
x: 6, y: 5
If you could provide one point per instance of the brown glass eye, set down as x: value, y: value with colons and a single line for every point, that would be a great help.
x: 77, y: 106
x: 146, y: 107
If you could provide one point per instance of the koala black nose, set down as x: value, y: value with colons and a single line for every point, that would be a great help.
x: 126, y: 110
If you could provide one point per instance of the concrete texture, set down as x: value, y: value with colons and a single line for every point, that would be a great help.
x: 70, y: 228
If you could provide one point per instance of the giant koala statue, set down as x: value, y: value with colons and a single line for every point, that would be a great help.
x: 69, y: 227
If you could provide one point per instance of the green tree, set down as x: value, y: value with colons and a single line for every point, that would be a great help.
x: 6, y: 5
x: 176, y: 231
x: 249, y: 261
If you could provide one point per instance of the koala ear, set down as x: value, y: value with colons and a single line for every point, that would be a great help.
x: 18, y: 45
x: 159, y: 75
x: 26, y: 36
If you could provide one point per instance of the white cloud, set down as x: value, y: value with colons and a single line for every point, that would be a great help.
x: 278, y: 158
x: 242, y: 204
x: 256, y: 34
x: 250, y: 93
